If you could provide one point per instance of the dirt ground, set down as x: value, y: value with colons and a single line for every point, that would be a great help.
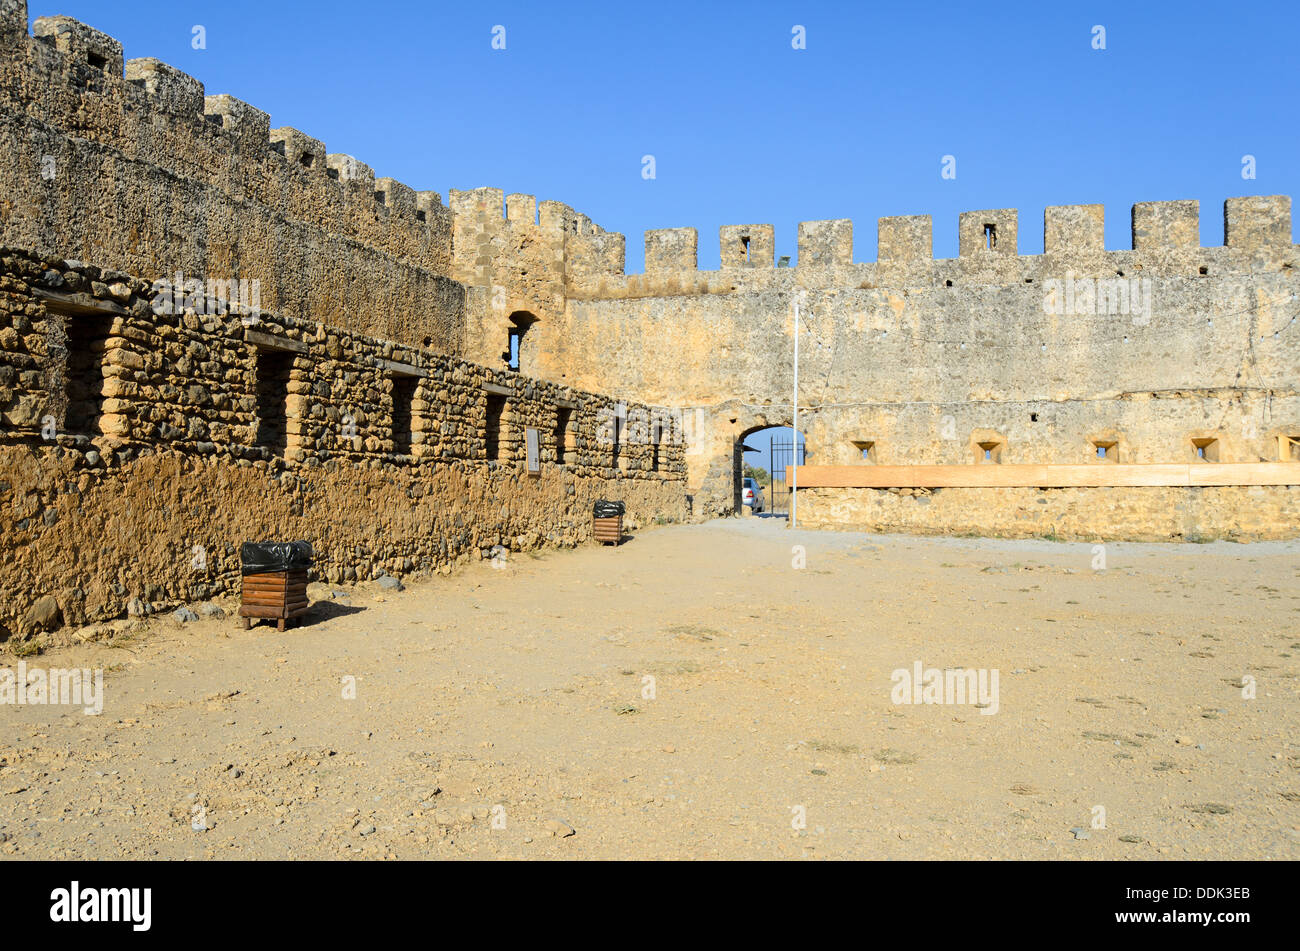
x: 691, y: 694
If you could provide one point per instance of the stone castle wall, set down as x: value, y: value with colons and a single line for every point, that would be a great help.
x: 922, y: 359
x: 519, y: 256
x: 131, y: 166
x: 133, y: 439
x: 1148, y: 513
x: 361, y: 409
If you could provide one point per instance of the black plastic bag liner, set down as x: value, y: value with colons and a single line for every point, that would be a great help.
x: 261, y: 557
x: 607, y: 509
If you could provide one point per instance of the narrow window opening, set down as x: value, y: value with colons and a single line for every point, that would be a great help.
x: 615, y: 448
x: 273, y: 371
x: 97, y: 61
x: 403, y: 413
x: 562, y: 417
x: 1206, y: 448
x: 745, y: 244
x: 87, y: 336
x: 512, y: 359
x: 1106, y: 450
x: 866, y: 449
x: 494, y: 431
x: 989, y: 451
x: 520, y: 322
x: 306, y: 159
x: 1033, y: 417
x: 990, y: 236
x: 419, y: 215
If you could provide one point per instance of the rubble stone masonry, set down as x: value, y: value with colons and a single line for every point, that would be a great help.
x: 140, y: 448
x: 368, y: 406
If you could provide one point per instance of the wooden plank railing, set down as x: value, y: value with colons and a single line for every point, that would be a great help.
x: 1046, y: 476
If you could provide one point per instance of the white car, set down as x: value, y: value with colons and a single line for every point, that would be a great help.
x: 751, y: 494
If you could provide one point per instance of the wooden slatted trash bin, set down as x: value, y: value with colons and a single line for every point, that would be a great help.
x: 274, y: 581
x: 607, y: 521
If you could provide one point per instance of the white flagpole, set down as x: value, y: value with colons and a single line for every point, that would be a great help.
x: 794, y: 471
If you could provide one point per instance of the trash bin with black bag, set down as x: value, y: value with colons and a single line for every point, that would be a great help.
x: 607, y: 521
x: 274, y: 581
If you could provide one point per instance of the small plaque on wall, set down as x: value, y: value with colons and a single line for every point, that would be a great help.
x: 534, y: 453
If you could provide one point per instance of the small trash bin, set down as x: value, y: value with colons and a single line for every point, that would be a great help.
x: 607, y: 521
x: 274, y: 581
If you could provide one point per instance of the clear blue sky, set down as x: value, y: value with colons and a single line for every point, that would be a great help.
x: 745, y: 129
x: 761, y: 454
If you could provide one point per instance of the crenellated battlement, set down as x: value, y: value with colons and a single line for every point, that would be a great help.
x: 132, y: 163
x: 592, y: 258
x: 522, y: 255
x: 87, y: 112
x: 175, y: 92
x: 82, y: 44
x: 261, y: 306
x: 492, y: 205
x: 1165, y: 233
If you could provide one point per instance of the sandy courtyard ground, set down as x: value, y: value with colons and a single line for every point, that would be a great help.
x: 692, y: 695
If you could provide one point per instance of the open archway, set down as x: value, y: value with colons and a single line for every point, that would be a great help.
x: 763, y: 453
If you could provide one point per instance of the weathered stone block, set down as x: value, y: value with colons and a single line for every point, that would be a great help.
x: 81, y: 43
x: 825, y: 243
x: 905, y: 239
x: 992, y: 231
x: 1257, y: 221
x: 671, y: 249
x: 521, y: 209
x: 1068, y: 228
x: 298, y: 149
x: 170, y: 89
x: 477, y: 201
x: 747, y: 245
x: 13, y: 18
x: 557, y: 216
x: 1166, y: 224
x: 395, y: 195
x: 250, y: 125
x: 348, y: 169
x: 429, y: 203
x: 596, y: 255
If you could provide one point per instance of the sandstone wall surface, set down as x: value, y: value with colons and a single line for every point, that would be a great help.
x: 131, y: 166
x: 1157, y: 514
x: 1155, y: 353
x: 134, y: 437
x: 922, y: 359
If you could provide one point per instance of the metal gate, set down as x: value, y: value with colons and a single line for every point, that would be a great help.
x: 783, y: 452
